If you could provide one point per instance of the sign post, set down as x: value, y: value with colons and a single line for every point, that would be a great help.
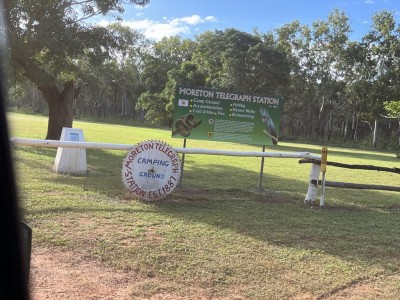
x: 261, y: 169
x: 182, y: 164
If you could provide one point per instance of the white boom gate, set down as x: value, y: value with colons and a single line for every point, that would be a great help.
x: 312, y: 191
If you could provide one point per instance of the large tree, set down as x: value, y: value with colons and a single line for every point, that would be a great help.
x: 392, y: 109
x: 47, y: 37
x: 240, y: 61
x: 164, y: 58
x: 382, y: 63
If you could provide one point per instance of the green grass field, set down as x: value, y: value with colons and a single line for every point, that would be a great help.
x: 217, y: 236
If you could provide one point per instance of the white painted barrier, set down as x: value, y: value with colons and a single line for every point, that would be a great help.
x: 67, y: 144
x: 89, y: 145
x: 314, y: 173
x: 71, y: 160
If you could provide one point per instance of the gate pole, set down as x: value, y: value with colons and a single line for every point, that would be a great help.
x: 261, y: 169
x: 182, y: 164
x: 324, y: 162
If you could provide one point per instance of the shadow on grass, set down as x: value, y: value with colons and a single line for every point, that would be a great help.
x: 354, y: 231
x: 351, y: 233
x: 28, y: 151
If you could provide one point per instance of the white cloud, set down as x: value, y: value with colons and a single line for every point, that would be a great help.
x: 196, y: 19
x: 156, y: 30
x: 211, y: 19
x: 193, y: 20
x: 138, y: 7
x: 369, y: 1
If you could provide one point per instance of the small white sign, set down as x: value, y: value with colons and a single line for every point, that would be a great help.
x: 183, y: 102
x: 151, y: 170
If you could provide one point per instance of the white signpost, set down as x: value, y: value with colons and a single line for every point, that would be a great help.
x: 151, y: 170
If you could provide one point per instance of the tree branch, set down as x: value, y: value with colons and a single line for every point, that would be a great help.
x: 387, y: 117
x: 369, y: 124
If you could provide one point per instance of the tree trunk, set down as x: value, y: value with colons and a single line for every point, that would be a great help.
x: 355, y: 127
x: 346, y: 127
x: 328, y: 127
x: 60, y: 105
x: 399, y: 136
x: 375, y: 135
x: 309, y: 129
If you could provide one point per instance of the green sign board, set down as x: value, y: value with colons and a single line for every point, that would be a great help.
x: 216, y: 115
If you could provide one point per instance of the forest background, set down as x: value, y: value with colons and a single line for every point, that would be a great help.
x: 335, y: 90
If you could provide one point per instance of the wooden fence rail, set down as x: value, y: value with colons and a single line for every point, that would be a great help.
x: 314, y: 181
x: 347, y: 166
x: 348, y: 185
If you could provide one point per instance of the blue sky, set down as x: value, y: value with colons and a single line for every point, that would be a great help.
x: 188, y: 18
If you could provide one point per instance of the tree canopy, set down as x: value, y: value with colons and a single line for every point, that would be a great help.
x: 334, y: 88
x: 47, y: 37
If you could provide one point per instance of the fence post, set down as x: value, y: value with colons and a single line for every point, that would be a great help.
x: 324, y: 162
x: 312, y: 191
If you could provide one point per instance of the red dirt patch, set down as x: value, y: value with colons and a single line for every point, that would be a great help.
x: 64, y: 275
x: 57, y: 274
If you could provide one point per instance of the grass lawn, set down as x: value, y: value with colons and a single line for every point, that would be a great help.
x: 217, y: 236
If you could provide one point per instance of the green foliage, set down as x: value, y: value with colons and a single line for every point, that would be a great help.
x: 189, y: 74
x: 154, y: 105
x: 240, y: 61
x: 167, y: 65
x: 49, y: 37
x: 392, y: 108
x: 53, y: 34
x: 166, y: 55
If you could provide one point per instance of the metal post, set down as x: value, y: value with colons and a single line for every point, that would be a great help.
x: 261, y: 169
x: 182, y: 164
x: 324, y: 162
